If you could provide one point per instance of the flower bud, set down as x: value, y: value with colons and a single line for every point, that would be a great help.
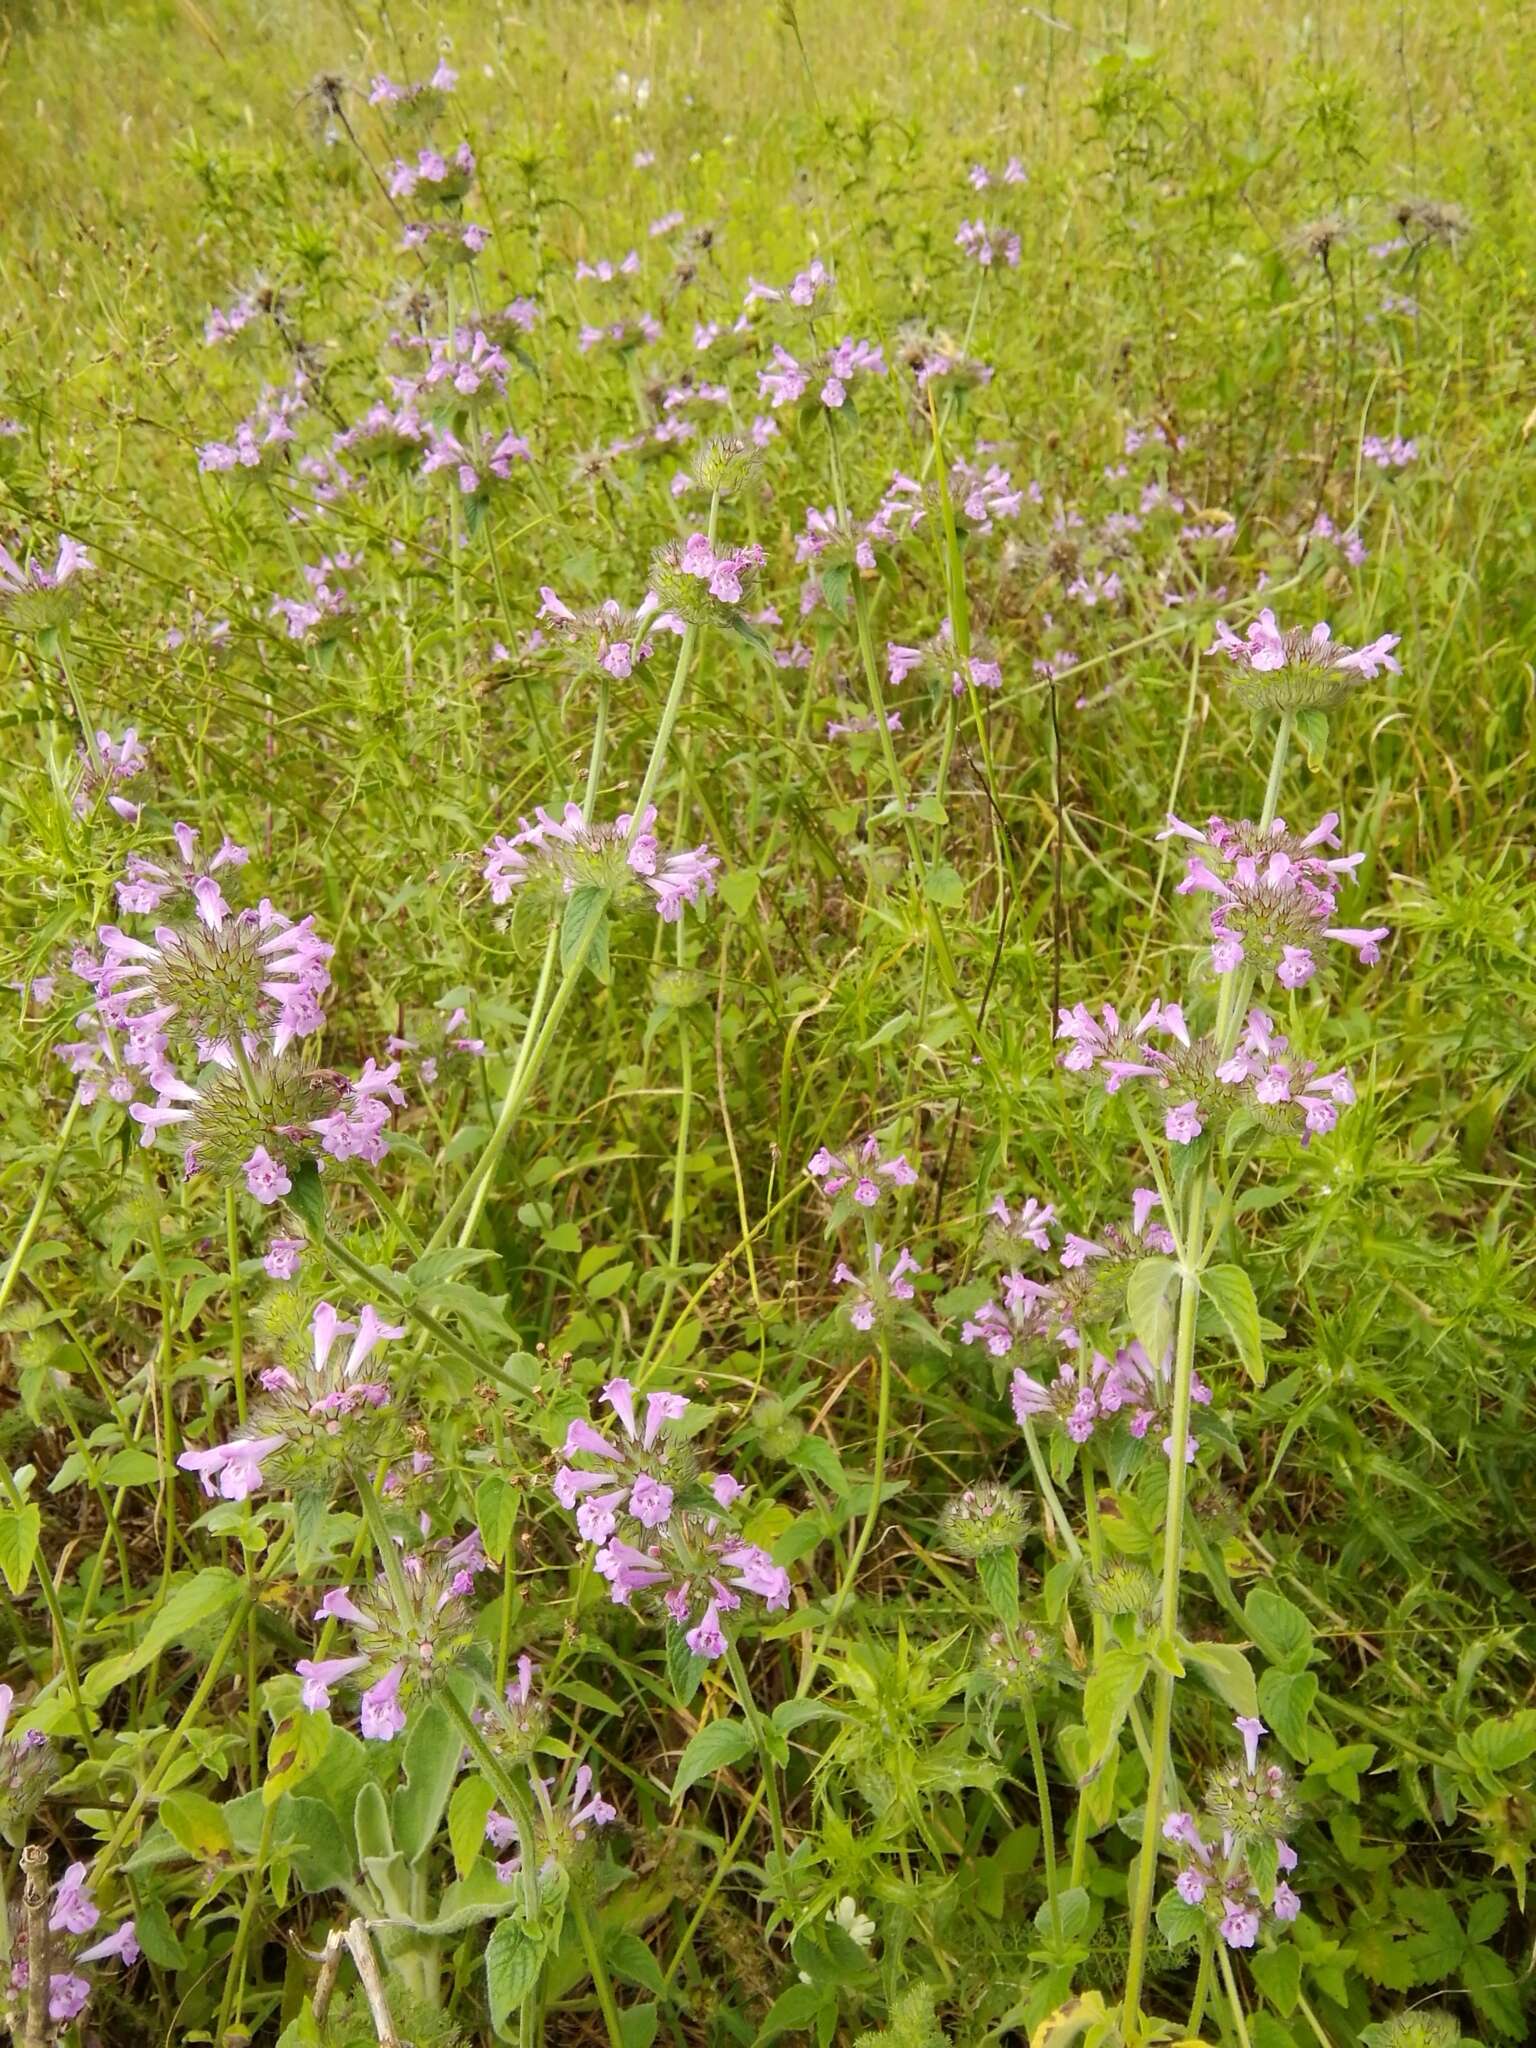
x: 982, y: 1520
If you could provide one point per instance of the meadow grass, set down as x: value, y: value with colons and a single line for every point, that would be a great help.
x: 1263, y: 340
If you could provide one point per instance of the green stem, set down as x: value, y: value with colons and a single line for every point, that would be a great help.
x: 717, y: 1879
x: 1162, y: 1716
x: 1276, y: 771
x: 35, y: 1214
x: 599, y: 1969
x: 856, y: 1556
x: 1047, y: 1822
x: 1202, y: 1990
x: 770, y: 1770
x: 520, y: 1807
x: 1232, y: 1998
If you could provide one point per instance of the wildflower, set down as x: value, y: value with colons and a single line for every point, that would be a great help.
x: 310, y: 1413
x: 787, y: 381
x: 409, y: 1633
x: 1016, y: 1663
x: 327, y: 611
x: 1027, y: 1225
x: 863, y: 1172
x: 446, y: 241
x: 1395, y: 453
x: 74, y: 1911
x: 1089, y: 1287
x: 1131, y: 1384
x: 36, y: 599
x: 875, y: 1291
x: 604, y: 636
x: 641, y: 1475
x: 280, y: 1261
x: 224, y: 323
x: 433, y: 176
x: 983, y: 1519
x: 703, y: 584
x: 554, y: 856
x: 985, y: 244
x: 515, y: 1725
x: 28, y: 1767
x: 259, y: 445
x: 1275, y: 895
x: 562, y: 1827
x: 1117, y: 1050
x: 229, y: 974
x: 604, y: 271
x: 1299, y: 670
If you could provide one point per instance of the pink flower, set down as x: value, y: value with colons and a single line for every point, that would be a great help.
x: 74, y: 1911
x: 265, y: 1177
x: 320, y: 1674
x: 382, y: 1717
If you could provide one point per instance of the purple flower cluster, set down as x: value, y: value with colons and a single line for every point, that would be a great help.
x: 656, y: 1519
x: 862, y: 1171
x: 72, y: 1914
x: 1246, y: 1805
x: 1089, y: 1286
x: 1275, y: 895
x: 305, y: 1420
x: 404, y: 1652
x: 36, y: 598
x: 1128, y: 1385
x: 876, y: 1290
x: 788, y: 379
x: 1261, y: 1073
x: 259, y: 444
x: 433, y: 176
x: 566, y: 1821
x: 554, y: 856
x: 986, y: 245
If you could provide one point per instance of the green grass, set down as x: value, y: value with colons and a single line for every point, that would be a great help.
x: 893, y: 929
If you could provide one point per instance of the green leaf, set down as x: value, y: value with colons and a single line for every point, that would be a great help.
x: 191, y: 1606
x: 1286, y: 1699
x: 738, y: 889
x: 471, y: 1801
x: 815, y: 1455
x: 709, y: 1749
x: 998, y: 1571
x: 683, y: 1668
x: 307, y: 1831
x: 1279, y: 1628
x: 1277, y: 1972
x: 306, y: 1197
x: 1311, y: 728
x: 1112, y: 1685
x: 513, y: 1960
x: 1499, y: 1744
x: 197, y: 1824
x: 156, y: 1936
x: 496, y: 1515
x: 1149, y: 1304
x: 1226, y: 1671
x: 434, y: 1749
x: 370, y: 1823
x: 792, y: 2011
x: 944, y: 885
x: 638, y: 2024
x: 131, y: 1466
x: 1230, y: 1293
x: 20, y: 1529
x: 629, y: 1958
x: 1076, y: 1909
x: 298, y: 1744
x: 584, y: 930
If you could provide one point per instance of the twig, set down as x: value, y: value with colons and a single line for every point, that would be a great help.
x: 361, y: 1947
x: 34, y: 1872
